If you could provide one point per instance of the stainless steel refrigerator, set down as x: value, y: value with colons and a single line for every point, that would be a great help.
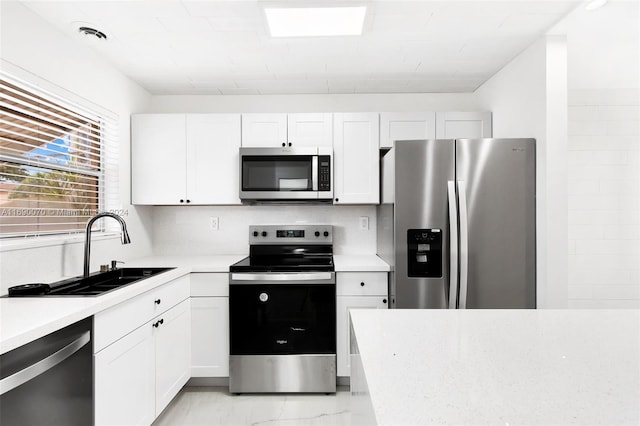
x: 457, y: 223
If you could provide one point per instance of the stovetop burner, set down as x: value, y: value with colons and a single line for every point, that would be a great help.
x: 283, y: 264
x: 291, y: 248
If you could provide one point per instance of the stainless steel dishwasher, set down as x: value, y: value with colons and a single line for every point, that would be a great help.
x: 50, y: 380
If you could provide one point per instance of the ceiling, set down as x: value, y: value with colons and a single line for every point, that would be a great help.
x: 224, y: 47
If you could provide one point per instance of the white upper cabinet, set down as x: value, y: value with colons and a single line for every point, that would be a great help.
x: 469, y: 125
x: 158, y: 159
x: 264, y: 130
x: 213, y: 143
x: 311, y: 129
x: 290, y: 130
x: 185, y: 159
x: 406, y: 126
x: 356, y: 158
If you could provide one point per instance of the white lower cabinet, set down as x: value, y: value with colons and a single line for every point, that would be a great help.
x: 210, y: 325
x: 355, y: 290
x: 140, y: 370
x: 125, y: 380
x: 210, y: 343
x: 173, y: 353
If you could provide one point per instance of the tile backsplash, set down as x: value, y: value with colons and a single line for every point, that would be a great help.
x: 604, y: 198
x: 186, y: 230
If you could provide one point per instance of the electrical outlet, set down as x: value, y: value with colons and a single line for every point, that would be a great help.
x: 364, y: 223
x: 214, y: 223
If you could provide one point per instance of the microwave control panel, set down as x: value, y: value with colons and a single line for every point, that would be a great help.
x: 324, y: 173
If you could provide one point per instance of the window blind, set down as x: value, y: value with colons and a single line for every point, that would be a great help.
x: 58, y: 161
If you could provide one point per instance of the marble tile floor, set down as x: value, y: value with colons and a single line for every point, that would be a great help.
x: 213, y: 406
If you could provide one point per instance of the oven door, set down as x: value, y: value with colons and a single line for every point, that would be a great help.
x: 282, y: 313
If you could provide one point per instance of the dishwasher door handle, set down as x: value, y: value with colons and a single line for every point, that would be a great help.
x: 42, y: 366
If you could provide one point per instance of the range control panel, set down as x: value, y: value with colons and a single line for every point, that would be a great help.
x: 424, y: 250
x: 291, y: 234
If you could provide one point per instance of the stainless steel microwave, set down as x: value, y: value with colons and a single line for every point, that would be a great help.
x: 286, y: 174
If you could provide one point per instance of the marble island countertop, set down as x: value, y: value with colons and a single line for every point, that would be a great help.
x: 500, y: 367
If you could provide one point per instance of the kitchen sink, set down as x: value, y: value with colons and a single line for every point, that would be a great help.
x: 95, y: 284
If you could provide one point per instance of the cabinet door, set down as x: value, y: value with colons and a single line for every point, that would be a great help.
x: 173, y: 353
x: 125, y: 380
x: 158, y: 159
x: 310, y: 129
x: 264, y: 130
x: 343, y: 305
x: 463, y: 125
x: 213, y: 142
x: 356, y: 158
x: 406, y: 126
x: 210, y: 337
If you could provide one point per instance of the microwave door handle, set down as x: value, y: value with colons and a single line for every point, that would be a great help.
x: 314, y: 173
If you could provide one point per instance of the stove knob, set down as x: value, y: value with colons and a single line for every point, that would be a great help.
x: 326, y: 233
x: 255, y: 233
x: 264, y: 233
x: 317, y: 233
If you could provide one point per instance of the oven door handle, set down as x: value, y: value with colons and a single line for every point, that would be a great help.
x: 297, y: 277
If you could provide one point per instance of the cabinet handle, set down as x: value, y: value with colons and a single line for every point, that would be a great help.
x: 362, y: 284
x: 162, y: 319
x: 284, y: 144
x: 157, y: 301
x: 182, y: 201
x: 156, y: 324
x: 384, y: 300
x: 337, y: 199
x: 289, y: 143
x: 188, y: 201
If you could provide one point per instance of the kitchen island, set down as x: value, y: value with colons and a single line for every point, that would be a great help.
x: 507, y: 367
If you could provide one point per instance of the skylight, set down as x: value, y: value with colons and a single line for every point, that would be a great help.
x: 315, y: 21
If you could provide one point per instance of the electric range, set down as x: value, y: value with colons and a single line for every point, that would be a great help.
x: 282, y: 312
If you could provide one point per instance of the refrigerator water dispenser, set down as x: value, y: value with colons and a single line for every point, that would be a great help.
x: 424, y: 249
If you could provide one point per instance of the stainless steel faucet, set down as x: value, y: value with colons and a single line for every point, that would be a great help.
x: 87, y: 237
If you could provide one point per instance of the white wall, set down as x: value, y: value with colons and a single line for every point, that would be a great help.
x: 185, y: 230
x: 604, y: 156
x: 528, y: 99
x: 35, y: 51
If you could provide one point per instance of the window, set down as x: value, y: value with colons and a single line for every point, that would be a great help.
x: 53, y: 162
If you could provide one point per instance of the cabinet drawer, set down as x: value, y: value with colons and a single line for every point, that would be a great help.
x: 361, y: 284
x: 209, y: 284
x: 114, y: 323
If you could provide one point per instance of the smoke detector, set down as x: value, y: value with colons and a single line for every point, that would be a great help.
x: 92, y: 32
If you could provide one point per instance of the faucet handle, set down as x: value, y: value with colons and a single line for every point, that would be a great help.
x: 114, y: 264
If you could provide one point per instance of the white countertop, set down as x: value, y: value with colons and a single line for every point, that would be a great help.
x: 221, y: 263
x: 355, y: 263
x: 502, y: 367
x: 25, y: 319
x: 210, y: 263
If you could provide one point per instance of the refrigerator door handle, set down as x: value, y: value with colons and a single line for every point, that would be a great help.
x: 453, y: 245
x: 464, y: 244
